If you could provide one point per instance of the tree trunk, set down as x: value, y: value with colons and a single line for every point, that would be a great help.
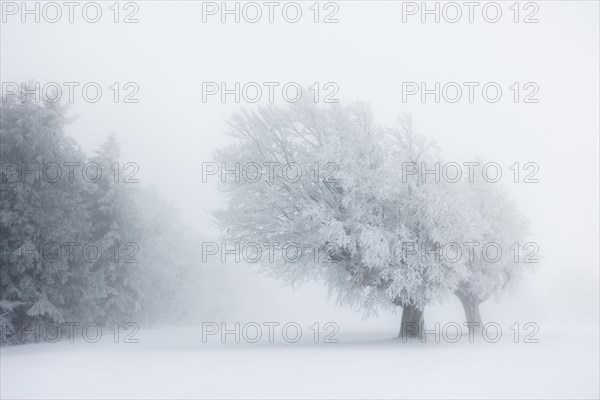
x: 412, y: 322
x: 471, y: 306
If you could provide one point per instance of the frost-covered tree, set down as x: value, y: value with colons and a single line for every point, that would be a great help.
x: 39, y: 214
x: 494, y: 223
x: 362, y: 228
x: 117, y: 230
x: 169, y: 261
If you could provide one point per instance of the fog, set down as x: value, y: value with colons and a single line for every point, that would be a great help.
x: 369, y: 54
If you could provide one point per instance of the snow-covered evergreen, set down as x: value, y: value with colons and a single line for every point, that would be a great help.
x: 78, y: 249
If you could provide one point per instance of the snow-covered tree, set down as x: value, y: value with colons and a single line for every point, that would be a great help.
x: 494, y: 223
x: 362, y: 228
x: 39, y: 214
x: 113, y: 279
x: 169, y: 261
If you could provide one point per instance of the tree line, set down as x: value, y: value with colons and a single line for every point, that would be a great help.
x: 81, y: 239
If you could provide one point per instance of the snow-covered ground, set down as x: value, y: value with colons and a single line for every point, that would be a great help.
x: 173, y: 362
